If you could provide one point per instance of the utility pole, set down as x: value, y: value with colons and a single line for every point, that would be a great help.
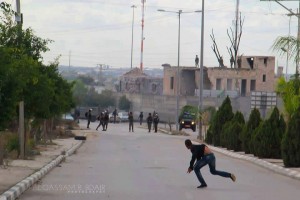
x: 21, y: 103
x: 142, y: 41
x: 133, y: 7
x: 201, y: 82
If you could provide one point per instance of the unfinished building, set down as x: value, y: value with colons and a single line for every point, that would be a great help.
x: 137, y: 82
x: 254, y: 73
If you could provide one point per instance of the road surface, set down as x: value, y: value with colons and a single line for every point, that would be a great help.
x: 120, y: 165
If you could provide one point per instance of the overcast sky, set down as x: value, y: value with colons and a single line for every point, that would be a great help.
x: 91, y: 32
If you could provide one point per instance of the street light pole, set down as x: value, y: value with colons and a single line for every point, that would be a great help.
x: 201, y: 73
x: 288, y: 51
x: 179, y: 12
x: 133, y: 7
x: 178, y: 77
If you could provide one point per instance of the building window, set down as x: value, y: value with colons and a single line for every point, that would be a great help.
x: 251, y: 62
x: 229, y: 84
x: 266, y: 61
x: 264, y: 78
x: 218, y: 84
x: 172, y: 83
x: 253, y: 85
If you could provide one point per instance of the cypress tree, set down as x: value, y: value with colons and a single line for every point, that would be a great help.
x: 249, y: 128
x: 233, y: 140
x: 225, y: 134
x: 233, y: 131
x: 223, y: 115
x: 291, y: 142
x: 267, y: 141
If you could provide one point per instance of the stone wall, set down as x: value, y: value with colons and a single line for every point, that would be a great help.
x: 165, y: 105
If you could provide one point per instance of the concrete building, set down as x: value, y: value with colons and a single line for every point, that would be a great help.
x: 254, y: 73
x: 137, y: 82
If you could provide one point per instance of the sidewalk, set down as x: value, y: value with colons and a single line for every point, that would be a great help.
x: 22, y: 174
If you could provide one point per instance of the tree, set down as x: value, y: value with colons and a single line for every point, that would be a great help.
x: 233, y: 140
x: 291, y: 142
x: 10, y: 87
x: 22, y: 41
x: 249, y: 128
x: 45, y: 93
x: 267, y: 140
x: 290, y: 94
x: 288, y: 42
x: 87, y: 80
x: 79, y: 92
x: 230, y: 135
x: 124, y: 103
x: 223, y: 115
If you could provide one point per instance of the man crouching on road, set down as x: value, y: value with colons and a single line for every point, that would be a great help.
x: 204, y: 156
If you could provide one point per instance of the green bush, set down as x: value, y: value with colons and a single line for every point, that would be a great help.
x: 124, y: 103
x: 225, y: 134
x: 291, y: 142
x: 230, y: 135
x: 12, y: 143
x: 267, y: 141
x: 233, y: 140
x: 223, y: 115
x: 209, y: 136
x: 248, y: 130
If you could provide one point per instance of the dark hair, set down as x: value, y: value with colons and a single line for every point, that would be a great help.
x: 188, y: 142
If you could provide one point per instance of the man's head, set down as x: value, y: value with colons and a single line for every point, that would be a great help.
x: 188, y: 143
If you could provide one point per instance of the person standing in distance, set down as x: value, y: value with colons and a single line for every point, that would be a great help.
x: 141, y: 118
x: 149, y: 122
x: 197, y: 61
x: 155, y: 122
x: 89, y: 117
x: 100, y: 118
x: 130, y: 119
x: 106, y: 119
x: 115, y: 113
x: 204, y: 156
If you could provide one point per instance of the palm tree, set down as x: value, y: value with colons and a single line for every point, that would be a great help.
x: 293, y: 44
x: 290, y: 94
x: 289, y: 91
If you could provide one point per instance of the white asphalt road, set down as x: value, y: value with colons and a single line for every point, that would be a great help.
x: 120, y: 165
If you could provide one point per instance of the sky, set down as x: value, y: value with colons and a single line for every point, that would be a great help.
x: 92, y: 32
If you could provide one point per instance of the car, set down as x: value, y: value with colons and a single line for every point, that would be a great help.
x: 187, y: 120
x: 123, y: 116
x: 68, y: 117
x: 111, y: 119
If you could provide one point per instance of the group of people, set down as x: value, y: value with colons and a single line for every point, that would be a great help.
x: 103, y: 119
x: 150, y: 119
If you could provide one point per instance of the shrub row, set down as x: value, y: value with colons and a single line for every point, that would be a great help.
x: 269, y: 138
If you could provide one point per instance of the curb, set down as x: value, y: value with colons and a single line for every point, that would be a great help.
x: 275, y: 168
x: 15, y: 191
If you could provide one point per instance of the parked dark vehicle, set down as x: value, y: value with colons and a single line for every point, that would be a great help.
x: 187, y: 120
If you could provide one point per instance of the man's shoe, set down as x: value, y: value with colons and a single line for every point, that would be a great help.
x: 202, y: 186
x: 233, y: 178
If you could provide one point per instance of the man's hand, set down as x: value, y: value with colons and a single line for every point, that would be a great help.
x: 189, y: 170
